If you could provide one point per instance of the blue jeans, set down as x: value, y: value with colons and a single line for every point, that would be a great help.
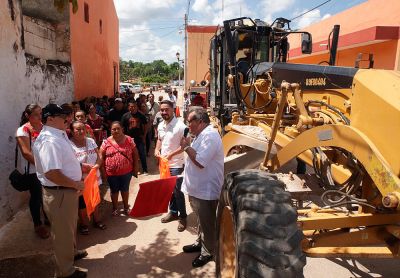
x: 177, y: 202
x: 142, y: 153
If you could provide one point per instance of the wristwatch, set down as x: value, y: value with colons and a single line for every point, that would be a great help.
x: 185, y: 148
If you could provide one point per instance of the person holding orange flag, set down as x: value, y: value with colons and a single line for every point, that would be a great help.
x: 170, y: 133
x: 86, y: 152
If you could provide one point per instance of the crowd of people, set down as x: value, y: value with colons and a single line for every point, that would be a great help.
x: 60, y: 145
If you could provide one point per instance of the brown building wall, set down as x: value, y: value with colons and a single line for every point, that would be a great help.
x: 95, y: 49
x: 198, y: 51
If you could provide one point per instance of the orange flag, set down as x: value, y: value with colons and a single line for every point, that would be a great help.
x: 164, y: 168
x: 91, y: 193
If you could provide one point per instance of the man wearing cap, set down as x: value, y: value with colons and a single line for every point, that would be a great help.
x: 117, y: 112
x: 60, y: 173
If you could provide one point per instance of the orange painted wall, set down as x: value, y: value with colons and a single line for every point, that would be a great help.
x: 94, y: 54
x: 383, y: 52
x: 368, y: 14
x: 198, y: 52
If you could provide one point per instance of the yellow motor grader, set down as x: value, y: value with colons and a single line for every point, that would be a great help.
x: 341, y: 126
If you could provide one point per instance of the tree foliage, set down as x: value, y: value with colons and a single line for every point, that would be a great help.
x: 155, y: 72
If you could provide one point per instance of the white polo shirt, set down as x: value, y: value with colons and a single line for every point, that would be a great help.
x: 205, y: 183
x: 52, y: 150
x: 170, y: 135
x: 172, y: 99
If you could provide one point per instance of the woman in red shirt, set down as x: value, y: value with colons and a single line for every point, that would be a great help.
x: 96, y: 123
x: 120, y: 158
x: 26, y: 135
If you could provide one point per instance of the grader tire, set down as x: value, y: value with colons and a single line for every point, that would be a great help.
x: 257, y: 231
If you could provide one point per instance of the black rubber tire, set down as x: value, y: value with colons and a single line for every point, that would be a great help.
x: 268, y: 240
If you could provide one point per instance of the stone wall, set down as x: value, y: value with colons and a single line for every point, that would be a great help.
x: 27, y: 76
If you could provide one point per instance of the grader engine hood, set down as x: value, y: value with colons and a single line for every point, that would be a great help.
x: 310, y: 77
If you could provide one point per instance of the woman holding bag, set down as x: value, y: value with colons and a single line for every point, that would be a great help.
x: 120, y: 158
x: 86, y: 152
x: 30, y: 127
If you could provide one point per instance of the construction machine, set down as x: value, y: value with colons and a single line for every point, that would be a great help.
x: 341, y: 128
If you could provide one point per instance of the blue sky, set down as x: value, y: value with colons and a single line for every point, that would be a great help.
x: 153, y: 29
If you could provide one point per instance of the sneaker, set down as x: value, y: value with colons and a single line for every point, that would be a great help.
x: 169, y: 217
x: 145, y: 174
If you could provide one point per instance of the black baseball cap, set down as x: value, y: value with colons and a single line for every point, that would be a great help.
x: 53, y: 110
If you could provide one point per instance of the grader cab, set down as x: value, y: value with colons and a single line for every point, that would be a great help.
x: 340, y: 125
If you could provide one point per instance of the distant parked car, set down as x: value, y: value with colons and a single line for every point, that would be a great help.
x: 137, y: 89
x: 127, y: 87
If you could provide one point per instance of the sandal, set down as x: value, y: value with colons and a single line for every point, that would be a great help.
x: 115, y: 212
x: 99, y: 225
x: 84, y: 230
x: 127, y: 211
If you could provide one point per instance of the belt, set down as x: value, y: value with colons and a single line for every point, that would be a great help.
x: 57, y: 187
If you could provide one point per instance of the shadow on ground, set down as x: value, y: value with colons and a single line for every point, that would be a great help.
x: 158, y: 260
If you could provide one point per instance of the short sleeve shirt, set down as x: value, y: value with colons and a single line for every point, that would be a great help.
x: 53, y: 151
x: 172, y: 98
x: 87, y: 154
x: 134, y: 124
x: 118, y: 157
x: 26, y: 131
x: 205, y: 183
x: 170, y: 135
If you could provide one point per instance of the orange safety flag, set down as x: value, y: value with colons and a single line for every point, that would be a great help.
x: 153, y: 197
x: 178, y: 113
x: 91, y: 193
x: 164, y: 168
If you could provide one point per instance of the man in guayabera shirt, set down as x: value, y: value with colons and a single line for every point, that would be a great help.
x: 60, y: 173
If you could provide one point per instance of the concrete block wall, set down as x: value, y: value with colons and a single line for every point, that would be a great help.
x: 40, y: 38
x: 46, y: 40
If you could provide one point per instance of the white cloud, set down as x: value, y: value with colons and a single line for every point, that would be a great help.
x: 137, y: 11
x: 270, y: 9
x: 200, y: 5
x: 149, y: 29
x: 213, y: 13
x: 309, y: 18
x: 141, y: 44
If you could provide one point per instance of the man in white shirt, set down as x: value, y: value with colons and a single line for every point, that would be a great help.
x: 202, y: 181
x: 172, y: 99
x: 170, y: 133
x: 60, y: 174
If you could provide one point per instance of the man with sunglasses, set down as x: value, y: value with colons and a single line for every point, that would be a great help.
x: 202, y: 181
x: 60, y: 174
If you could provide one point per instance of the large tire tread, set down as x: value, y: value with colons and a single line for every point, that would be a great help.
x: 268, y: 240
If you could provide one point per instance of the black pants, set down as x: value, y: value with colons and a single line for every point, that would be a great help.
x: 36, y: 200
x: 142, y: 153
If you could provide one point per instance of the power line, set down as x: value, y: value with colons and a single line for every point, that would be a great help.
x: 306, y: 12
